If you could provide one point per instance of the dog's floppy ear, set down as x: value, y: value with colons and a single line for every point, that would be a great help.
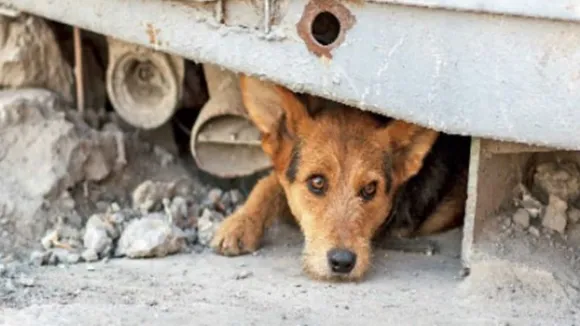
x: 408, y: 145
x: 271, y: 107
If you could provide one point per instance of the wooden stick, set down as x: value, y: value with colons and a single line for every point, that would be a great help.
x: 78, y: 47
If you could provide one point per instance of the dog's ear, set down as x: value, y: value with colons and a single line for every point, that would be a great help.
x: 408, y: 146
x: 272, y: 108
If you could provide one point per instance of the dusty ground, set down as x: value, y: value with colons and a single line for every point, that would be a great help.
x: 269, y: 289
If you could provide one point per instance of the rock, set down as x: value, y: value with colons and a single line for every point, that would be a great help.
x: 73, y: 258
x: 243, y: 275
x: 150, y: 194
x: 555, y: 215
x: 522, y: 218
x: 90, y: 255
x: 24, y: 37
x: 214, y: 196
x: 39, y: 258
x: 207, y: 225
x: 524, y: 199
x: 97, y: 234
x: 573, y: 215
x: 43, y: 154
x: 534, y: 231
x: 229, y: 201
x: 178, y: 209
x: 150, y: 236
x: 190, y: 235
x: 25, y: 280
x: 48, y: 239
x: 59, y: 255
x: 561, y: 179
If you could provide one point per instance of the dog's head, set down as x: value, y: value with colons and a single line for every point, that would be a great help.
x: 339, y: 167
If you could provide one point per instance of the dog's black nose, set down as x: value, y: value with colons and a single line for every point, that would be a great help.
x: 341, y: 260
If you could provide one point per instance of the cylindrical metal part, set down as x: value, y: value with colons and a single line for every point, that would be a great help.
x: 143, y: 85
x: 224, y: 142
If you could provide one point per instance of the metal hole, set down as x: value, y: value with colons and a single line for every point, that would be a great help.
x: 325, y: 28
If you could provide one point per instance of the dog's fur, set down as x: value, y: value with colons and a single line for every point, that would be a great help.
x: 346, y: 176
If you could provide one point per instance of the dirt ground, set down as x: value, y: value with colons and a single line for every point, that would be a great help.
x: 269, y: 289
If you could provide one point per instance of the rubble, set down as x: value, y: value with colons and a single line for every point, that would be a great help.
x: 555, y: 214
x: 561, y: 179
x: 150, y: 236
x: 548, y: 210
x: 21, y: 66
x: 43, y: 155
x: 207, y: 225
x: 149, y: 195
x: 522, y: 217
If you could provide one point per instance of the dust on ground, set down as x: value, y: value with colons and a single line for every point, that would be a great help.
x: 269, y: 289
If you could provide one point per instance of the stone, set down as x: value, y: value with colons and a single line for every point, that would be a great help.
x: 73, y: 258
x: 43, y: 155
x: 573, y: 215
x: 148, y: 195
x: 207, y: 225
x: 24, y: 37
x: 522, y: 218
x: 534, y: 231
x: 39, y: 258
x: 561, y: 179
x: 96, y: 235
x: 214, y: 196
x: 150, y: 236
x: 555, y: 217
x: 90, y: 255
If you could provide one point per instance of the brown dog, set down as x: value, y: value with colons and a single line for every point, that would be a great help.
x: 345, y: 174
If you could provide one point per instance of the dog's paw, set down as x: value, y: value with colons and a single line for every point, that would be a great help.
x: 237, y: 235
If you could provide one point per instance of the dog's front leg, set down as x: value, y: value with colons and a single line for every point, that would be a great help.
x: 242, y: 232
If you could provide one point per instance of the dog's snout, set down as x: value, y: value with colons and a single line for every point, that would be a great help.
x: 341, y: 260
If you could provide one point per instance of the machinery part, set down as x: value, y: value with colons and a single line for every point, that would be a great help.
x: 144, y: 85
x: 224, y: 142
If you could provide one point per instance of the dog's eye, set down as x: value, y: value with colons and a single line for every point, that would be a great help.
x: 368, y: 191
x: 317, y: 184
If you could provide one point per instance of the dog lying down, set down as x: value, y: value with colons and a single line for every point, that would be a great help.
x: 348, y: 177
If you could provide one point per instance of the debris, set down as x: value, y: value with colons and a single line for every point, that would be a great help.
x: 48, y: 240
x: 561, y: 179
x: 25, y: 280
x: 179, y: 212
x: 243, y: 275
x: 73, y: 258
x: 39, y: 258
x: 207, y: 225
x: 150, y: 236
x: 97, y: 235
x: 555, y: 215
x: 522, y: 218
x: 214, y: 196
x: 20, y: 65
x: 524, y: 199
x: 90, y: 255
x: 573, y: 215
x: 150, y: 194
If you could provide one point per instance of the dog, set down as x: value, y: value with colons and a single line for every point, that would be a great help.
x: 346, y: 176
